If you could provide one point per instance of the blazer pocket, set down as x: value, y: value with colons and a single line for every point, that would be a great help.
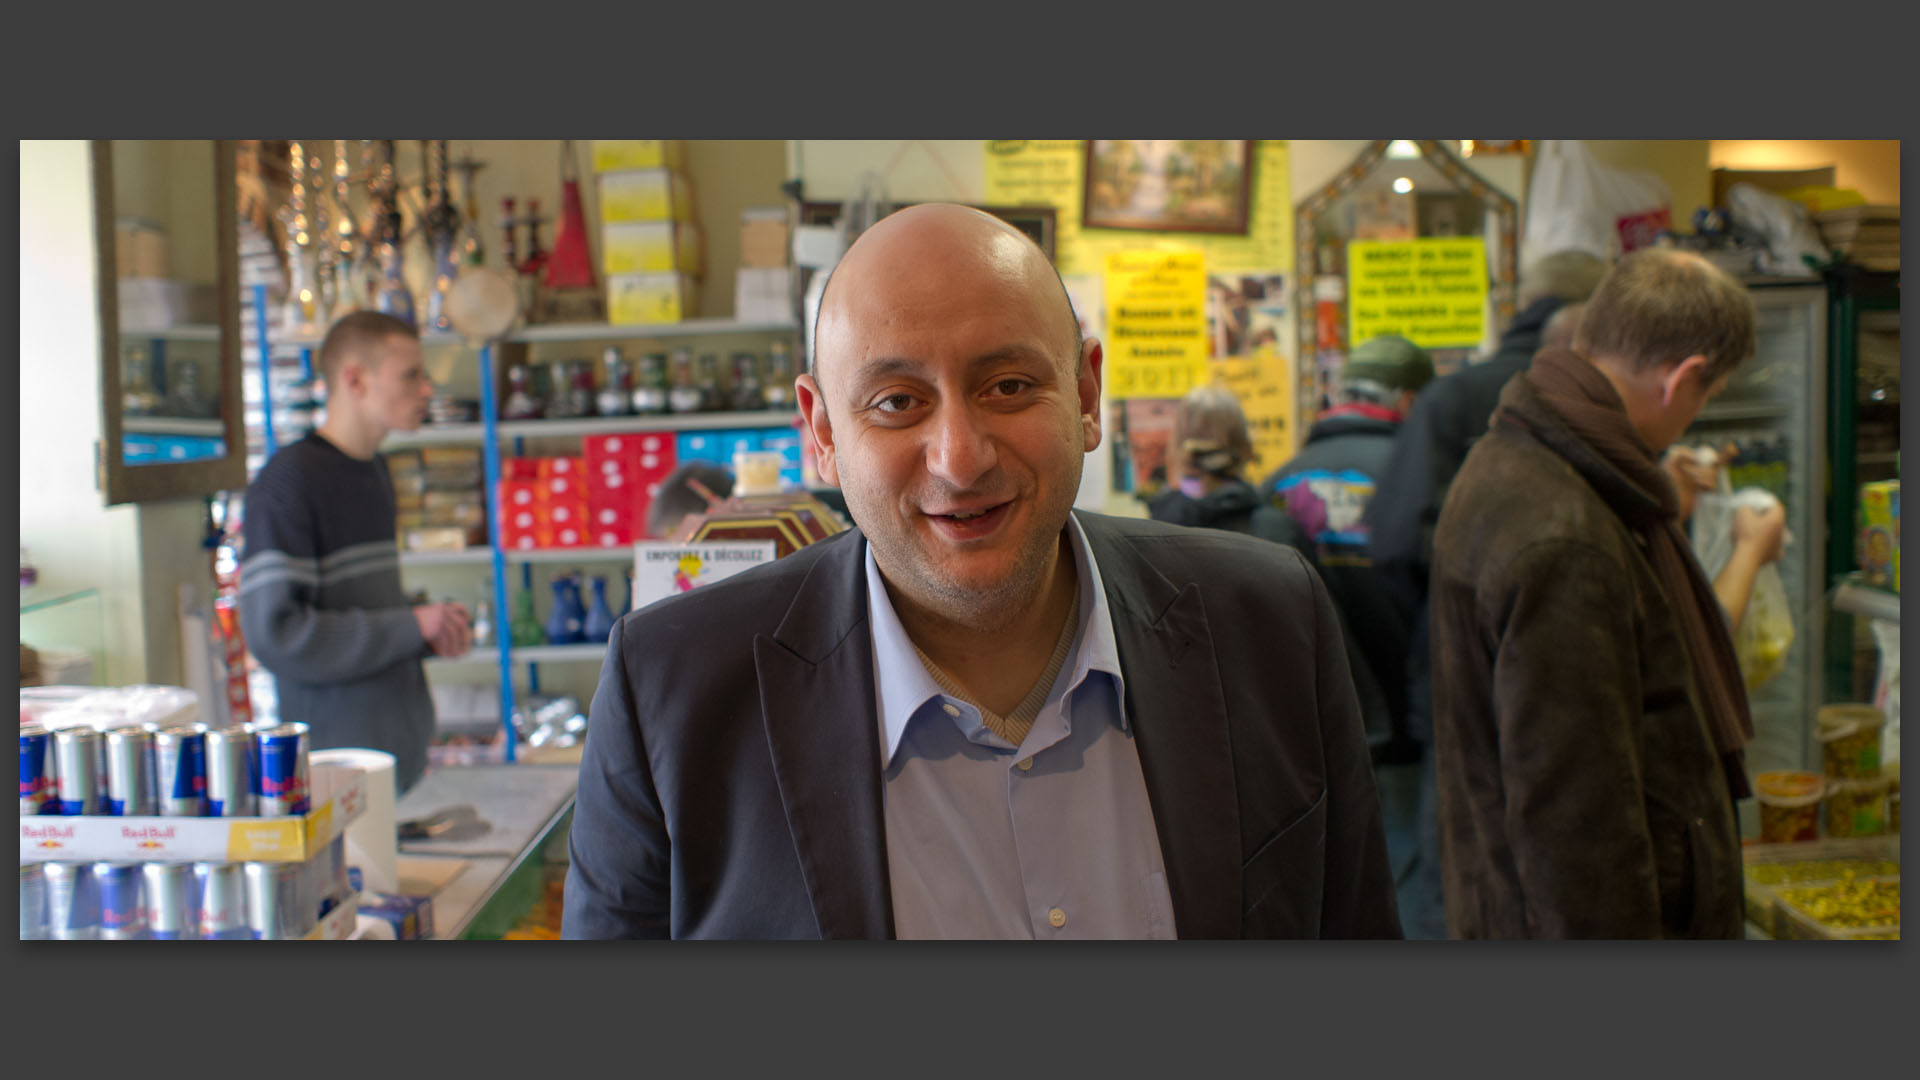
x: 1281, y: 883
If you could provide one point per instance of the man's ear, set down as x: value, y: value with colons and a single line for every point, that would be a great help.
x: 1676, y: 376
x: 1091, y: 360
x: 819, y: 431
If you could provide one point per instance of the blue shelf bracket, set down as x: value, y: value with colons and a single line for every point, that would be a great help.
x: 502, y: 632
x: 266, y: 368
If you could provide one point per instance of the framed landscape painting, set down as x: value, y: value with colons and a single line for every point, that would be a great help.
x: 1168, y: 185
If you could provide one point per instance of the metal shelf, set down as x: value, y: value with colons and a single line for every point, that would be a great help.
x: 1746, y: 410
x: 531, y: 654
x: 595, y: 425
x: 173, y: 425
x: 182, y: 332
x: 1857, y: 598
x: 481, y: 555
x: 573, y: 332
x: 558, y: 333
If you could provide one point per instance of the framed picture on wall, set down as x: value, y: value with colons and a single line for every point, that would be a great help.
x: 1168, y: 185
x: 1036, y: 221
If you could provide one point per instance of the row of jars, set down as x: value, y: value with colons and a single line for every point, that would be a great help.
x: 658, y: 383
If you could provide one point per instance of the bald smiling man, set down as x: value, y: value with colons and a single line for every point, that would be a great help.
x: 980, y: 713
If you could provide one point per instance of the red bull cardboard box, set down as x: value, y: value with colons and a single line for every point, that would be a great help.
x: 339, y: 796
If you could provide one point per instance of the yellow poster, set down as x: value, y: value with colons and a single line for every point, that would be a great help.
x: 1264, y: 384
x: 1049, y: 172
x: 1432, y: 292
x: 1156, y: 343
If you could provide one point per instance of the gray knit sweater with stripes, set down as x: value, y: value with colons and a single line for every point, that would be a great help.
x: 322, y: 608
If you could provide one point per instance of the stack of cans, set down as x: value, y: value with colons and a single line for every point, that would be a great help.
x: 172, y: 770
x: 177, y: 770
x: 208, y: 901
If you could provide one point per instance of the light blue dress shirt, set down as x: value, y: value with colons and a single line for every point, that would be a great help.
x: 979, y: 846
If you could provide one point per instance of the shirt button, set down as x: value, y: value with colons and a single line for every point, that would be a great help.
x: 1057, y: 917
x: 1025, y: 765
x: 951, y: 709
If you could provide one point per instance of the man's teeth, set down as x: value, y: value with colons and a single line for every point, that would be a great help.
x: 967, y: 516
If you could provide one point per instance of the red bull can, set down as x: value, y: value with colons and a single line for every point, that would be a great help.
x: 73, y: 906
x: 130, y: 773
x: 38, y: 788
x: 33, y: 902
x: 123, y: 911
x: 220, y: 901
x: 77, y: 753
x: 169, y: 895
x: 230, y: 787
x: 180, y: 755
x: 284, y: 769
x: 275, y: 908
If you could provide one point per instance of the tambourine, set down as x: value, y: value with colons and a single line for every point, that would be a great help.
x: 483, y: 304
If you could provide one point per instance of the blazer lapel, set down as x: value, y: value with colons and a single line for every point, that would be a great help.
x: 816, y: 697
x: 1179, y: 718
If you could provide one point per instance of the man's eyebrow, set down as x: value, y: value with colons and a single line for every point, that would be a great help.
x: 885, y: 366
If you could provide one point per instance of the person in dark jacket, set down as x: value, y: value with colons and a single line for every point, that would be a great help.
x: 1324, y: 490
x: 1211, y: 451
x: 1589, y: 711
x: 1443, y: 423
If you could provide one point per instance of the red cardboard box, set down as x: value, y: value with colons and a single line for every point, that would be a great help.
x: 522, y: 519
x: 569, y: 513
x: 603, y: 449
x: 518, y: 494
x: 569, y: 536
x: 612, y: 536
x: 520, y: 468
x: 532, y: 539
x: 554, y: 467
x: 567, y: 487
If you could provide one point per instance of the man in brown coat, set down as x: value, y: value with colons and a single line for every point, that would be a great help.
x: 1589, y: 713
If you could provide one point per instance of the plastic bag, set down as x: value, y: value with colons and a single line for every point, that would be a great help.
x: 1574, y: 203
x: 1886, y: 689
x: 1765, y: 633
x: 1789, y: 232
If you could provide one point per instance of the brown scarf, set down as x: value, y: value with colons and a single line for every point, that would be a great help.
x: 1590, y: 408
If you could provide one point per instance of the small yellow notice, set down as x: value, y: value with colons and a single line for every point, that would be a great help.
x: 1156, y: 341
x: 1264, y: 384
x: 1432, y: 292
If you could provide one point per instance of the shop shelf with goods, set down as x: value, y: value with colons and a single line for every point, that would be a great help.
x: 466, y: 372
x: 1774, y: 410
x: 1863, y: 442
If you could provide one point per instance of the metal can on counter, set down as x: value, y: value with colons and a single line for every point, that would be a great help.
x: 180, y: 754
x: 276, y: 910
x: 38, y: 788
x: 77, y: 752
x: 33, y: 902
x: 170, y: 914
x: 284, y: 769
x: 220, y: 901
x: 229, y: 755
x: 130, y: 772
x: 73, y: 905
x: 123, y: 912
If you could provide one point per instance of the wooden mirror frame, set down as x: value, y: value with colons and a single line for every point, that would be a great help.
x: 1505, y: 262
x: 118, y: 481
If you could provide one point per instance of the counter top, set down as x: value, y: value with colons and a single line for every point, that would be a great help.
x: 521, y: 805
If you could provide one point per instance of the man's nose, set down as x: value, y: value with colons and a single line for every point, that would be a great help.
x: 961, y: 450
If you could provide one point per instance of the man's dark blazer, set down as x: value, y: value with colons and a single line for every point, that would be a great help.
x: 731, y: 783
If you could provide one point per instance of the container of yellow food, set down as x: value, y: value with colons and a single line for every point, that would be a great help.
x: 1856, y: 808
x: 1850, y: 740
x: 1789, y: 806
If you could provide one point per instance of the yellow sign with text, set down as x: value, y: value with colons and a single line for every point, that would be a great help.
x: 1051, y: 172
x: 1264, y: 384
x: 1156, y: 341
x: 1433, y: 292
